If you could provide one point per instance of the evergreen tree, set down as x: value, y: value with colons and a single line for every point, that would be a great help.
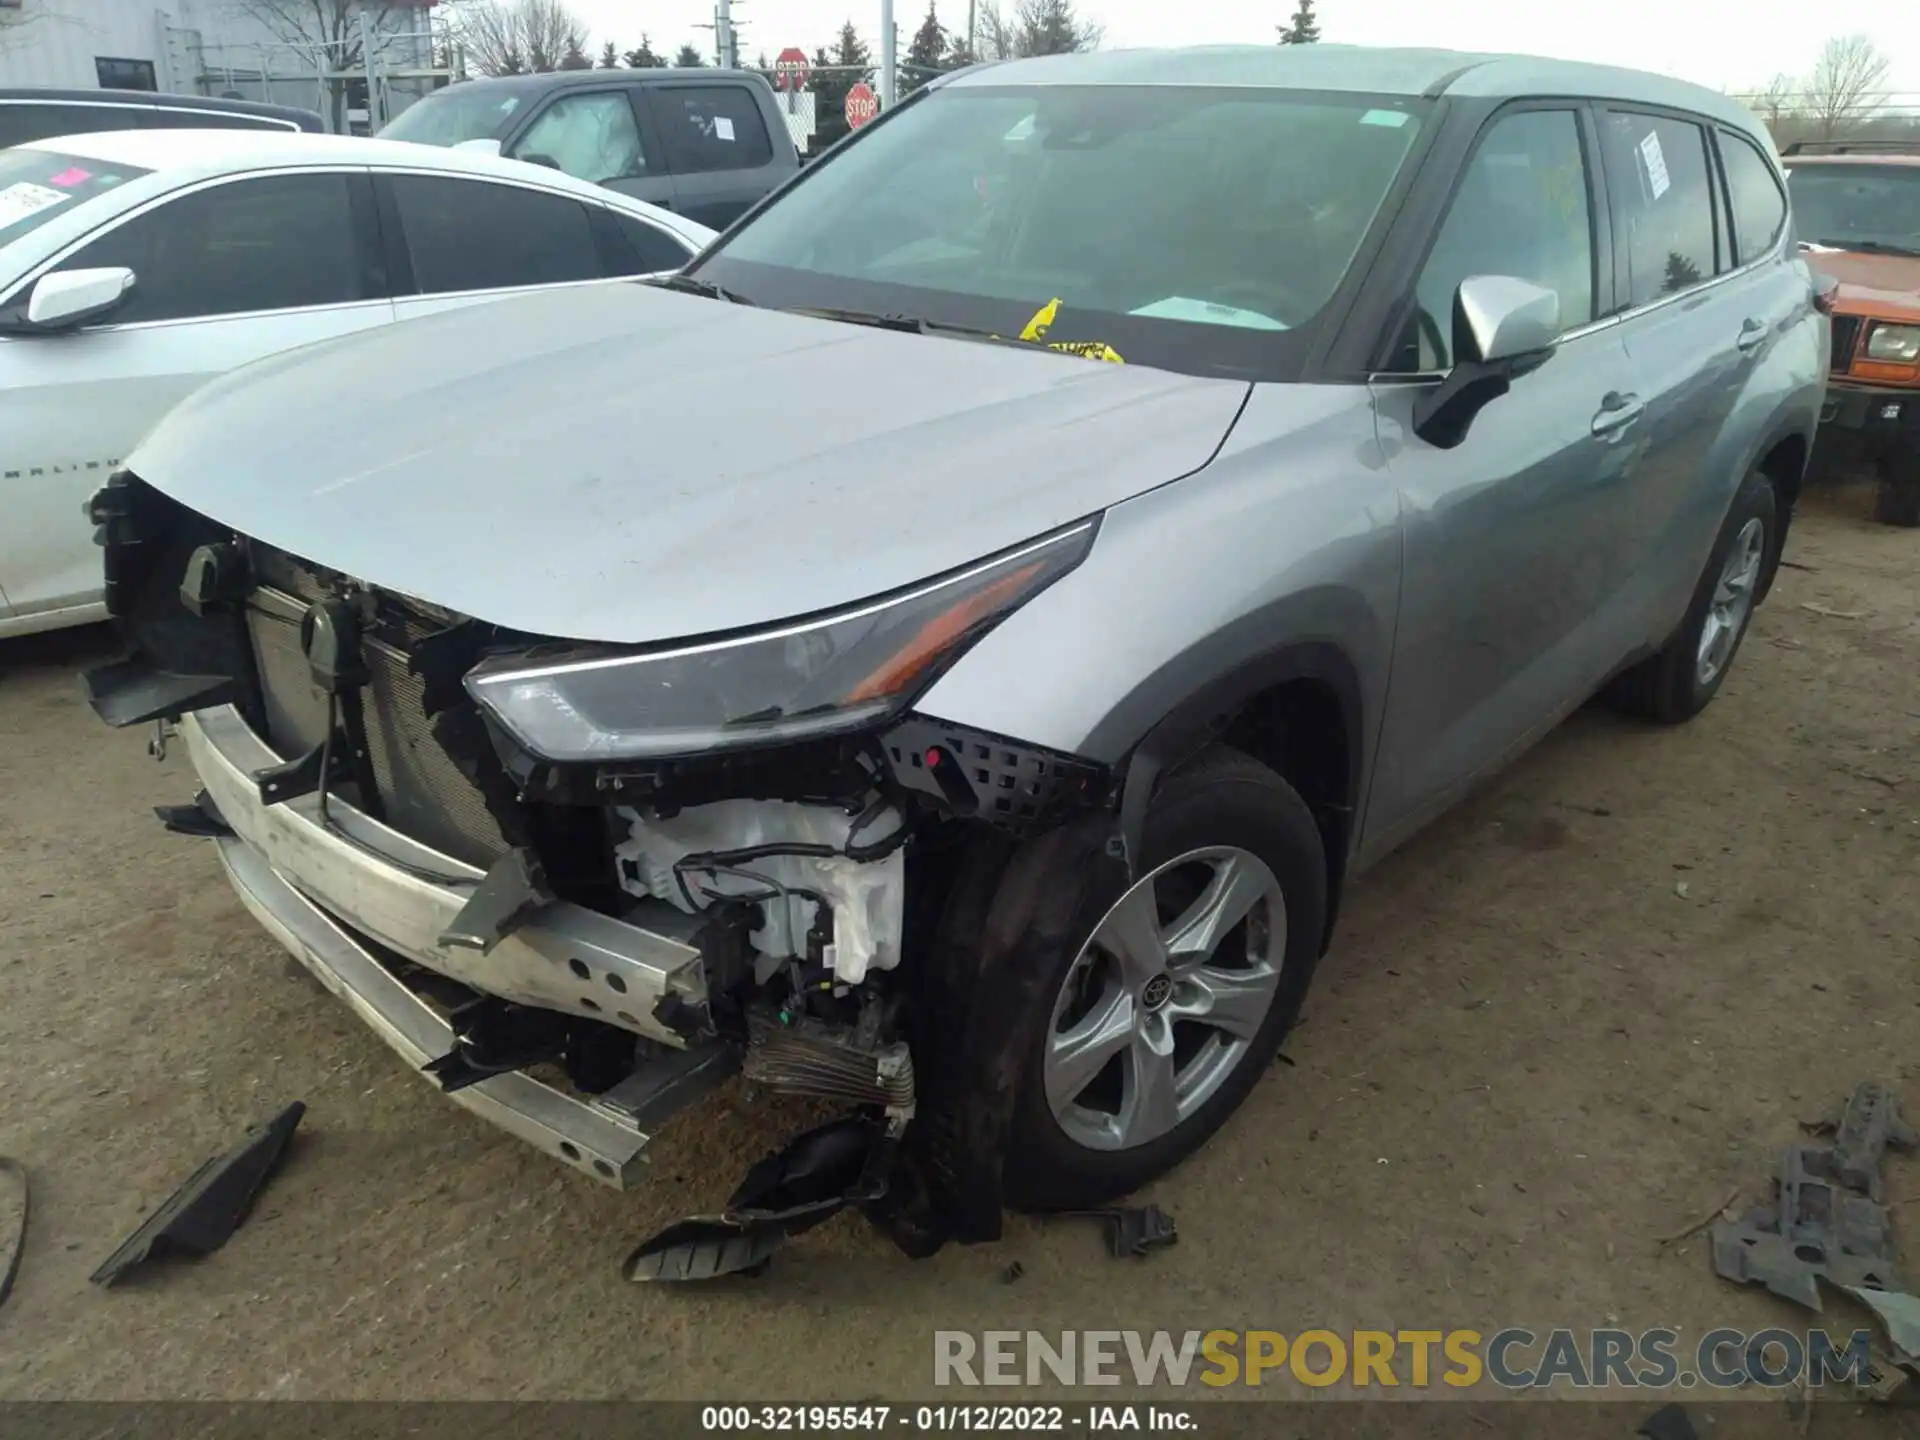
x: 575, y: 57
x: 609, y: 56
x: 643, y: 58
x: 689, y: 58
x: 927, y: 55
x: 1052, y: 27
x: 1305, y: 28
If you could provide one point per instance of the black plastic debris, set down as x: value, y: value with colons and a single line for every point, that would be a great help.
x: 1825, y: 1219
x: 805, y: 1183
x: 1134, y: 1230
x: 1669, y: 1422
x: 10, y: 1166
x: 202, y: 1214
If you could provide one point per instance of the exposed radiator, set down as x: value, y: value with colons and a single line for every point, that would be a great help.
x: 424, y: 794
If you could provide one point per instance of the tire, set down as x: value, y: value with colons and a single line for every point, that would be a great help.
x: 1673, y: 686
x: 1896, y: 499
x: 1224, y: 805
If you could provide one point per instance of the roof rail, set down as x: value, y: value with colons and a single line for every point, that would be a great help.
x: 1853, y: 147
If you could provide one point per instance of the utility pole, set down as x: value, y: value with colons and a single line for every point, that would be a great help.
x: 723, y: 34
x: 889, y: 46
x: 973, y: 20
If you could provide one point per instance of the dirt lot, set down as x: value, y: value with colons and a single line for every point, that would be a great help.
x: 1565, y: 1022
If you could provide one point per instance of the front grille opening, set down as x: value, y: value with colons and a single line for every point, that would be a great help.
x: 424, y: 794
x: 1846, y: 339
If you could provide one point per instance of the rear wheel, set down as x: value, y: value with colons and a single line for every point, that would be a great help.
x: 1678, y: 683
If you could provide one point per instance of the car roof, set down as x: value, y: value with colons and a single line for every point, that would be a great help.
x: 182, y: 157
x: 570, y: 79
x: 46, y: 95
x: 186, y: 154
x: 1361, y: 69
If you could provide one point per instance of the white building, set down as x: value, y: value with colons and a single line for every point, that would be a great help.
x: 288, y: 52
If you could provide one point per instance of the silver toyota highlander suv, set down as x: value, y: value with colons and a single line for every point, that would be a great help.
x: 949, y: 649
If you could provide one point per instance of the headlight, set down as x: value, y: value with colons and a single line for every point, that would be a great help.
x: 804, y: 680
x: 1894, y: 342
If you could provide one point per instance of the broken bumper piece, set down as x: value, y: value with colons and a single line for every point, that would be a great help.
x: 348, y: 896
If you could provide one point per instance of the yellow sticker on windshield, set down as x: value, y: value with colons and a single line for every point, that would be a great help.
x: 1089, y: 350
x: 1042, y: 321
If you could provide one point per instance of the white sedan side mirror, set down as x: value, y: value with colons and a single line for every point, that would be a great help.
x: 69, y: 298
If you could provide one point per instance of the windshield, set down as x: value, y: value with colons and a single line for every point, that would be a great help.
x: 1876, y: 206
x: 1181, y: 227
x: 38, y: 185
x: 454, y: 116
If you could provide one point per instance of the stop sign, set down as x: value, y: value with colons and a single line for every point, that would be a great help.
x: 862, y: 105
x: 790, y: 69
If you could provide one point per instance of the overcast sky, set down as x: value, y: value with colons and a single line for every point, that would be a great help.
x: 1736, y: 44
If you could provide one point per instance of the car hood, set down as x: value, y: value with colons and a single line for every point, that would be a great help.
x: 1886, y: 285
x: 628, y: 464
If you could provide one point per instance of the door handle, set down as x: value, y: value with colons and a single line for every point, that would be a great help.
x: 1751, y: 334
x: 1617, y: 411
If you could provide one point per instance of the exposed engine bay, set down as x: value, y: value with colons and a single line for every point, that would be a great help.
x: 637, y: 927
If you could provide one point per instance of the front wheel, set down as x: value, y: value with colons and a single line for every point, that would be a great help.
x: 1678, y: 683
x: 1145, y: 1037
x: 1896, y: 498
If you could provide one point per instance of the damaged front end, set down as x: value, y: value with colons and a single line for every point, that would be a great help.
x: 578, y: 886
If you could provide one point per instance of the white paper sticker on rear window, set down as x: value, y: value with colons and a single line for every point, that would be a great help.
x: 1656, y: 162
x: 723, y: 127
x: 17, y: 202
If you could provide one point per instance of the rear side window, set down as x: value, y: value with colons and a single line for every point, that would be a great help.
x: 711, y: 127
x: 22, y: 122
x: 276, y: 243
x: 1759, y: 207
x: 1521, y: 210
x: 1658, y: 175
x: 473, y: 235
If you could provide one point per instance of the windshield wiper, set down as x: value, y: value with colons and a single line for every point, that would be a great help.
x: 694, y: 285
x: 1871, y: 247
x: 909, y: 324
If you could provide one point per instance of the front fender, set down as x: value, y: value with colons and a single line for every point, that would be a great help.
x: 1280, y: 559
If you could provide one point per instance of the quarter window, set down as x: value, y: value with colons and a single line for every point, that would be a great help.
x: 1759, y: 209
x: 711, y: 127
x: 472, y: 235
x: 1658, y: 175
x: 1521, y: 210
x: 633, y: 247
x: 275, y: 243
x: 591, y: 137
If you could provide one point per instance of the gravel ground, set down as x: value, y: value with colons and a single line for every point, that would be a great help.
x: 1566, y: 1021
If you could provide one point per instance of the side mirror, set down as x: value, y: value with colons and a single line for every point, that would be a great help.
x: 67, y: 299
x: 1502, y: 327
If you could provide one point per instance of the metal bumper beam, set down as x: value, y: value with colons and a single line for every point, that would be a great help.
x: 404, y: 896
x: 578, y: 1132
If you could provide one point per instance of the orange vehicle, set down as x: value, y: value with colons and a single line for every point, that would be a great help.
x: 1856, y: 208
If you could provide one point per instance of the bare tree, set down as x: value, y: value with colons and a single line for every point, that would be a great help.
x: 1845, y: 87
x: 1780, y: 99
x: 519, y: 37
x: 326, y: 35
x: 1035, y: 27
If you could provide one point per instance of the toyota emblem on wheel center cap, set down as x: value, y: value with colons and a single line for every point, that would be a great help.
x: 1156, y: 992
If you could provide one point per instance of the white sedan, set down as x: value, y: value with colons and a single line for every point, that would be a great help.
x: 137, y: 265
